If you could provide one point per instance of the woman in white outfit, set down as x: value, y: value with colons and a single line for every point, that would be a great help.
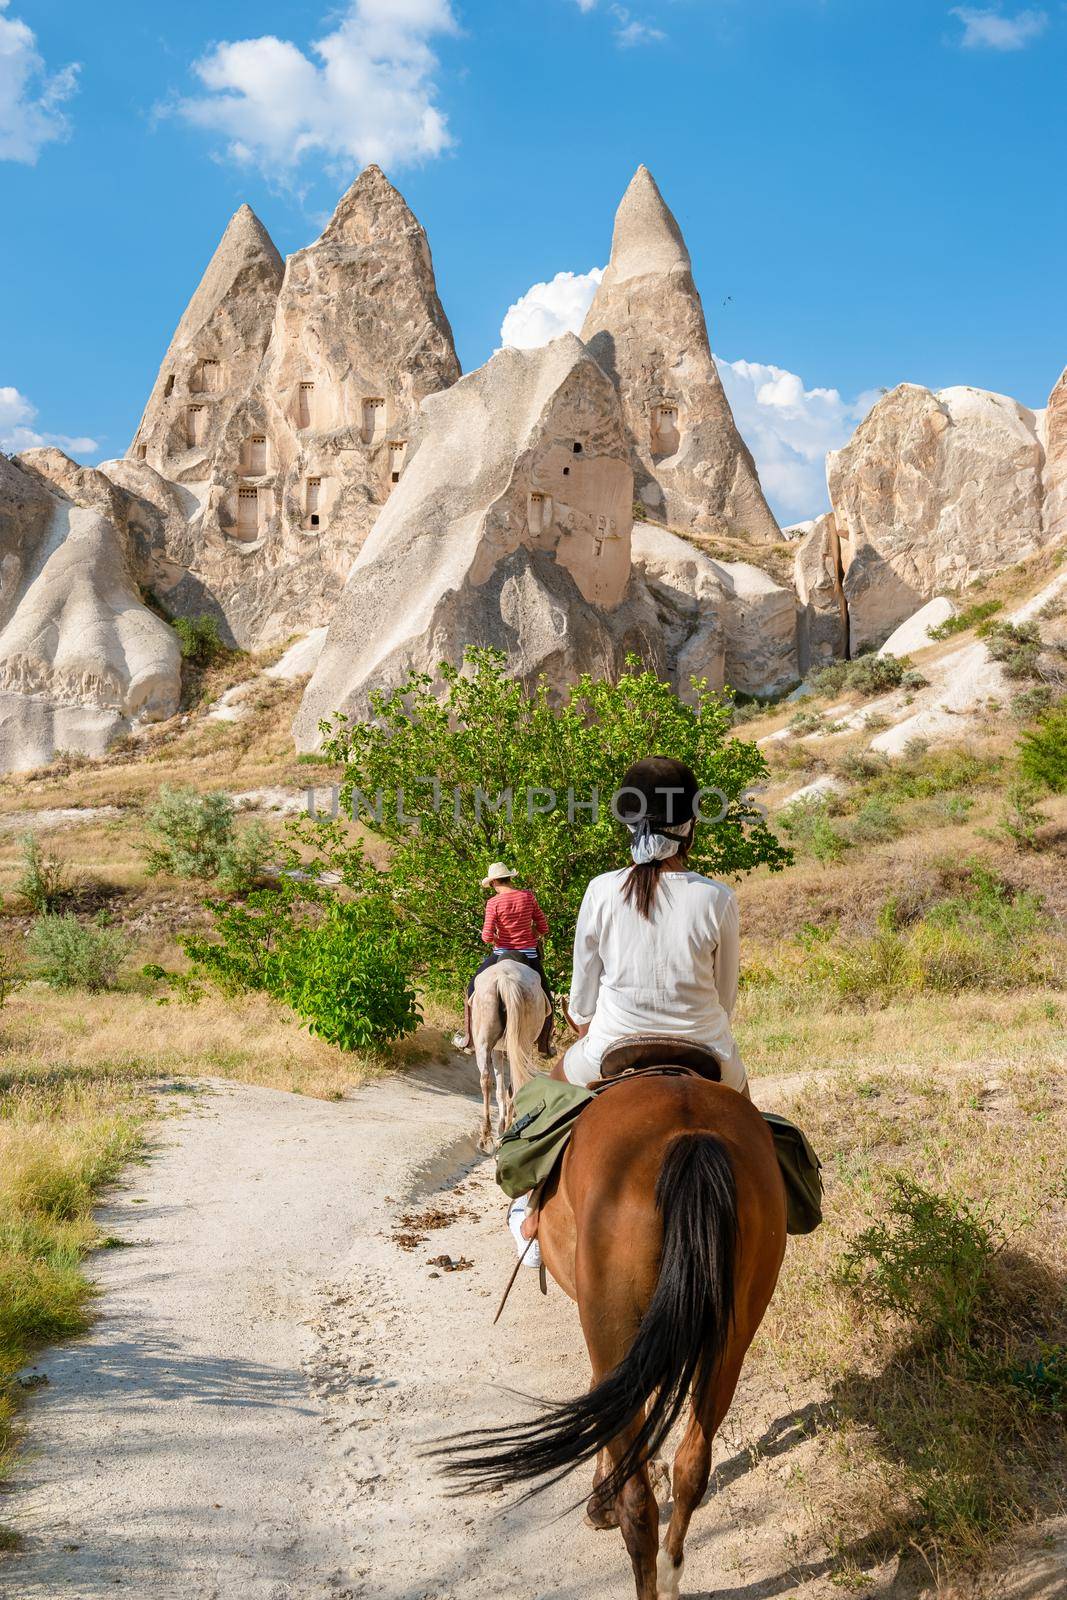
x: 656, y: 948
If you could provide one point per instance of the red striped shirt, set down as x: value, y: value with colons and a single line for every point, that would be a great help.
x: 514, y: 920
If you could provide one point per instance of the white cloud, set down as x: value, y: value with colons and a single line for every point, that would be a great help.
x: 364, y: 92
x: 16, y: 415
x: 789, y: 429
x: 630, y: 31
x: 991, y: 30
x: 548, y: 310
x: 30, y: 98
x: 586, y: 5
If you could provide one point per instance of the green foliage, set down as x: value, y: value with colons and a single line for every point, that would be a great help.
x: 1042, y: 1379
x: 928, y: 1262
x: 200, y: 641
x: 807, y: 822
x: 1043, y: 752
x: 193, y: 835
x: 489, y: 735
x: 43, y: 880
x: 1017, y: 646
x: 344, y: 966
x: 868, y: 675
x: 1023, y: 816
x: 875, y: 822
x: 349, y: 982
x: 969, y: 617
x: 69, y: 954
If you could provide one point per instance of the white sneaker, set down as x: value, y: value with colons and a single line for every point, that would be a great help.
x: 516, y: 1217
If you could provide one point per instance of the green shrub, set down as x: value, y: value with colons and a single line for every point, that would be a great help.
x: 1030, y: 703
x: 69, y: 954
x: 43, y: 881
x: 199, y: 638
x: 1043, y: 752
x: 969, y: 617
x: 868, y: 675
x: 807, y: 822
x: 874, y: 822
x: 929, y: 1262
x: 351, y: 985
x: 1017, y: 646
x: 193, y: 835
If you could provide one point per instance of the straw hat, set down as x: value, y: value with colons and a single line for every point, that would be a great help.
x: 496, y: 871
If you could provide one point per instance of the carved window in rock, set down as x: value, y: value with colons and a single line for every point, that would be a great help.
x: 373, y: 420
x: 305, y: 402
x: 313, y: 503
x: 256, y: 452
x: 539, y: 513
x: 168, y: 387
x: 397, y: 452
x: 247, y: 513
x: 205, y: 377
x: 195, y: 426
x: 665, y: 435
x: 142, y: 452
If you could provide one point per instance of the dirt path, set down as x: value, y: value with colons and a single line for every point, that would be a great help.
x: 243, y: 1421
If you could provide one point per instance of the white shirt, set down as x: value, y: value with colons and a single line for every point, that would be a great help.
x: 675, y: 974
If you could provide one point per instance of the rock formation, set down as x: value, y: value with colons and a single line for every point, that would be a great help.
x: 646, y: 328
x: 510, y: 527
x: 284, y: 407
x: 914, y: 634
x: 932, y: 492
x: 82, y: 659
x: 822, y: 615
x: 1056, y: 462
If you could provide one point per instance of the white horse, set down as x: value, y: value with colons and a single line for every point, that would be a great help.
x: 515, y: 989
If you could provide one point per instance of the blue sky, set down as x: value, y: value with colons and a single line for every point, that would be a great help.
x: 871, y: 192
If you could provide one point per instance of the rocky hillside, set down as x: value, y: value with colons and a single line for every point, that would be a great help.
x: 310, y: 459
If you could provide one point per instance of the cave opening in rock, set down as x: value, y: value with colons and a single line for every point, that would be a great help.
x: 205, y: 376
x: 312, y: 502
x: 168, y: 387
x: 373, y: 419
x: 665, y: 435
x: 195, y: 425
x: 257, y: 452
x: 247, y: 513
x: 305, y: 396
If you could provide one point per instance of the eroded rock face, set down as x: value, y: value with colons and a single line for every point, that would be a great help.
x: 290, y: 453
x: 511, y: 527
x: 932, y: 492
x: 646, y: 329
x: 822, y: 616
x: 82, y: 659
x: 1056, y: 462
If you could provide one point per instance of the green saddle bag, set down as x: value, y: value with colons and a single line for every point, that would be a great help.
x: 543, y: 1116
x: 545, y: 1113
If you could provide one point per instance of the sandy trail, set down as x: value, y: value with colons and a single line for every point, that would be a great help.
x: 243, y: 1420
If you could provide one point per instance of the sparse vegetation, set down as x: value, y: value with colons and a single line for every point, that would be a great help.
x: 970, y: 617
x: 1043, y: 752
x: 43, y: 881
x: 1017, y: 646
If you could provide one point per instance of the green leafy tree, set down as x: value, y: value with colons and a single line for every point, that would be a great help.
x: 494, y: 769
x: 348, y: 979
x: 193, y: 835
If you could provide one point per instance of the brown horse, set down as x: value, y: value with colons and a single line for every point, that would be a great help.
x: 665, y: 1221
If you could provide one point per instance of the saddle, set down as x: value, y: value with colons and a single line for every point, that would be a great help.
x: 645, y: 1050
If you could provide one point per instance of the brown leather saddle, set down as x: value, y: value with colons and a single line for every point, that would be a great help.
x: 645, y: 1050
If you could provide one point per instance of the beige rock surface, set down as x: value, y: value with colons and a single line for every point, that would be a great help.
x: 302, y: 445
x: 822, y: 616
x: 914, y: 634
x: 646, y: 328
x: 82, y: 659
x: 932, y: 492
x: 1056, y: 462
x: 511, y: 527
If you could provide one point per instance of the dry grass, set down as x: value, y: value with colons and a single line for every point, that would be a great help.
x: 916, y: 1446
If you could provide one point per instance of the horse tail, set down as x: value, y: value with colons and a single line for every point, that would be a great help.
x: 519, y: 1040
x: 678, y: 1347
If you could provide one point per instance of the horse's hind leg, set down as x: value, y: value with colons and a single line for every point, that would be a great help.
x: 692, y: 1470
x: 503, y: 1099
x: 601, y: 1513
x: 638, y: 1515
